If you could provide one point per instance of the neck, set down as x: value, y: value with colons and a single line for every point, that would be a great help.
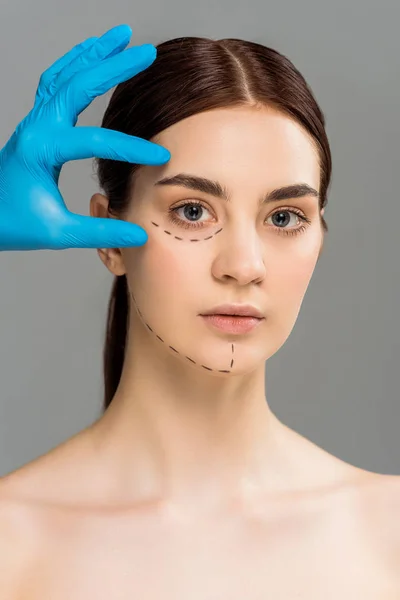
x: 174, y: 434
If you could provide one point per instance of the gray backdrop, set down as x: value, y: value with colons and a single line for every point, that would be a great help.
x: 336, y: 378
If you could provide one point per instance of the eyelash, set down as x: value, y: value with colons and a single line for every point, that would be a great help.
x: 172, y: 216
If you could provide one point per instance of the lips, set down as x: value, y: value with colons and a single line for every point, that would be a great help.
x: 238, y: 310
x: 232, y: 324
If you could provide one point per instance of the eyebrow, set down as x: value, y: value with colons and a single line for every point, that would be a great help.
x: 214, y: 188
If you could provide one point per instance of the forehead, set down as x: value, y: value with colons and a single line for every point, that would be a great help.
x: 240, y: 146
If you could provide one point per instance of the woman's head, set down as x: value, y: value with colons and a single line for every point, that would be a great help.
x: 240, y: 114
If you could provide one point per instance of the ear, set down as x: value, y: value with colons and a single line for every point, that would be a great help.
x: 322, y: 211
x: 111, y: 257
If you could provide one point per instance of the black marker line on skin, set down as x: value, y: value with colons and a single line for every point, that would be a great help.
x: 161, y: 340
x: 191, y: 240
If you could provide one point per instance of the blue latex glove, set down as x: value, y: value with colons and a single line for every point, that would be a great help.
x: 33, y: 214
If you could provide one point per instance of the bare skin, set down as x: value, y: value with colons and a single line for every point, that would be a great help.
x: 189, y: 486
x: 336, y: 536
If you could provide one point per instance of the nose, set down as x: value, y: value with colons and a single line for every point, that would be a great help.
x: 239, y: 256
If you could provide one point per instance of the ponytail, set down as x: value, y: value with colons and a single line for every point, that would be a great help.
x: 116, y: 333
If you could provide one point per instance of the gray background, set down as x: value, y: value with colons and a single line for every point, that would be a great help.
x: 336, y: 378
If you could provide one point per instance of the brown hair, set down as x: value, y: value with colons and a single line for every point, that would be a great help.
x: 191, y: 75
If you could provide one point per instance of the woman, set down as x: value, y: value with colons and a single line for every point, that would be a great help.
x: 188, y: 486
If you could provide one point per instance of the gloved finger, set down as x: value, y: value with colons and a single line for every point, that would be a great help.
x: 95, y: 232
x: 112, y: 42
x: 49, y: 74
x: 80, y: 91
x: 89, y: 142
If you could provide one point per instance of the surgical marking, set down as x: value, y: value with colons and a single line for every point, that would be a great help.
x: 174, y: 349
x: 191, y: 240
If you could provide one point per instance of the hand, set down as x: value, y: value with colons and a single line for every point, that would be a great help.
x: 33, y: 214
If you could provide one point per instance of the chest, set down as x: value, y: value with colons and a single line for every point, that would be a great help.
x: 230, y: 559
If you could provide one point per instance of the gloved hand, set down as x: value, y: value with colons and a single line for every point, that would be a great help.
x: 33, y: 214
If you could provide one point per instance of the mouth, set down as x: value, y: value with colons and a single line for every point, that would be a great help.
x: 236, y: 324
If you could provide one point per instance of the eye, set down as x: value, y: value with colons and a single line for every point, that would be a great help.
x: 195, y: 207
x: 298, y: 215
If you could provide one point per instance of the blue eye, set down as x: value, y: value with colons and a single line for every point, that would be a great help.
x: 186, y: 224
x: 299, y: 215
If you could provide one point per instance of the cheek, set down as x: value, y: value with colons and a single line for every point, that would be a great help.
x: 290, y: 278
x: 166, y: 268
x: 164, y: 276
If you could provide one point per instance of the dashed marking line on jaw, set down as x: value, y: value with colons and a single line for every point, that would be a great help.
x: 175, y: 350
x: 160, y: 338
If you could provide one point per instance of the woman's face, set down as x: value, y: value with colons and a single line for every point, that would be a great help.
x: 219, y: 251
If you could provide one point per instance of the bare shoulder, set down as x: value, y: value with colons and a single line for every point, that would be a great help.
x: 382, y: 499
x: 29, y: 497
x: 19, y: 543
x: 380, y: 504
